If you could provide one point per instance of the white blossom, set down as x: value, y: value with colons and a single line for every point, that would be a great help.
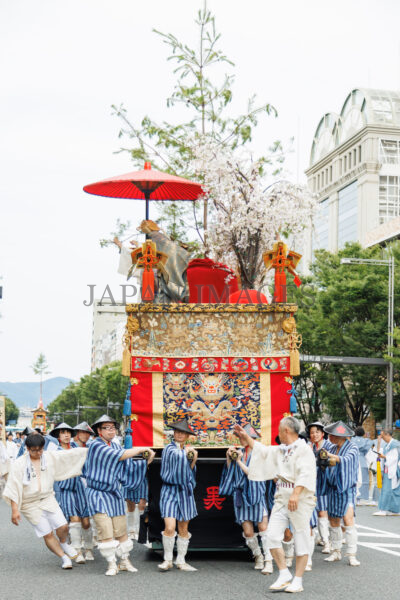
x: 247, y: 215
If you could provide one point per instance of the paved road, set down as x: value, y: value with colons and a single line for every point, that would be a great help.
x: 29, y: 572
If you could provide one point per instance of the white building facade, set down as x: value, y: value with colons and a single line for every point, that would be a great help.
x: 355, y: 171
x: 109, y: 322
x: 24, y: 418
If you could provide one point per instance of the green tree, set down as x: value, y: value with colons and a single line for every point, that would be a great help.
x: 40, y: 368
x: 12, y: 410
x: 104, y: 386
x: 204, y: 89
x: 346, y: 315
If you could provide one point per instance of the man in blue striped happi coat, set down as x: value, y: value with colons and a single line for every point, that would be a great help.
x: 318, y: 441
x: 82, y: 440
x: 177, y: 502
x: 249, y: 501
x: 71, y: 493
x: 339, y: 482
x: 106, y: 466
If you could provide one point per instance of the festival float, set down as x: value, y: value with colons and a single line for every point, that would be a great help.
x: 199, y: 347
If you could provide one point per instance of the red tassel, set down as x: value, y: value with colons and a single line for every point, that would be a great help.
x: 297, y: 281
x: 148, y: 285
x: 280, y: 287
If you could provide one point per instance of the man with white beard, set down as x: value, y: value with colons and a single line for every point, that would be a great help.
x: 292, y: 464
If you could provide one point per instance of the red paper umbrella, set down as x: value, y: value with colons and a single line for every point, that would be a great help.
x: 146, y: 185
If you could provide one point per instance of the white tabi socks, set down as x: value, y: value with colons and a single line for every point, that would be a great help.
x: 108, y: 551
x: 323, y: 528
x: 336, y: 544
x: 69, y: 550
x: 351, y: 541
x: 66, y: 562
x: 168, y: 545
x: 75, y: 533
x: 252, y: 543
x: 182, y: 545
x: 283, y: 580
x: 268, y: 564
x: 123, y: 551
x: 296, y: 585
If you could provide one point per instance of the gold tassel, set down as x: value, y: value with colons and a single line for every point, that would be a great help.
x: 294, y: 362
x: 126, y: 358
x: 126, y: 362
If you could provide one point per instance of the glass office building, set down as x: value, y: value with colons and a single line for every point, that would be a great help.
x: 355, y: 171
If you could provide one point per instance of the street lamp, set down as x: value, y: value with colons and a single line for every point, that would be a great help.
x: 389, y: 369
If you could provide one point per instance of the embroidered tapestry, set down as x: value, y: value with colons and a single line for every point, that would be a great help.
x: 191, y: 334
x: 212, y: 402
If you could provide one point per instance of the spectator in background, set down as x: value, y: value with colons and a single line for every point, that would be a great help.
x: 364, y: 445
x: 389, y: 501
x: 12, y: 449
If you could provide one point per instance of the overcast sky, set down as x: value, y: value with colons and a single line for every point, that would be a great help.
x: 62, y: 66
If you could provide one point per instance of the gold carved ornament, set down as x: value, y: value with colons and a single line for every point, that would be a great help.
x: 295, y: 341
x: 134, y: 416
x: 209, y: 308
x: 132, y: 325
x: 289, y: 324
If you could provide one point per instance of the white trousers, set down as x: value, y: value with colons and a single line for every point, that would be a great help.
x: 49, y: 522
x: 278, y: 522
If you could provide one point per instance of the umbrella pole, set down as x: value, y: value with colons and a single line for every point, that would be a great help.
x: 147, y: 198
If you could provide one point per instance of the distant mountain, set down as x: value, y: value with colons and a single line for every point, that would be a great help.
x: 26, y: 393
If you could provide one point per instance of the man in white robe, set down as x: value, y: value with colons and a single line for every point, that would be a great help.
x: 171, y: 277
x: 293, y: 465
x: 29, y: 491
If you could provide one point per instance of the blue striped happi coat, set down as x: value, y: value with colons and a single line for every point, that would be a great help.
x: 270, y: 486
x: 135, y: 494
x: 322, y: 499
x: 104, y: 472
x: 249, y: 500
x: 133, y: 480
x: 71, y: 494
x: 340, y: 482
x: 179, y: 480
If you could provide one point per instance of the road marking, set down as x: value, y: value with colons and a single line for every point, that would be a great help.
x: 361, y: 533
x: 381, y: 531
x: 378, y: 546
